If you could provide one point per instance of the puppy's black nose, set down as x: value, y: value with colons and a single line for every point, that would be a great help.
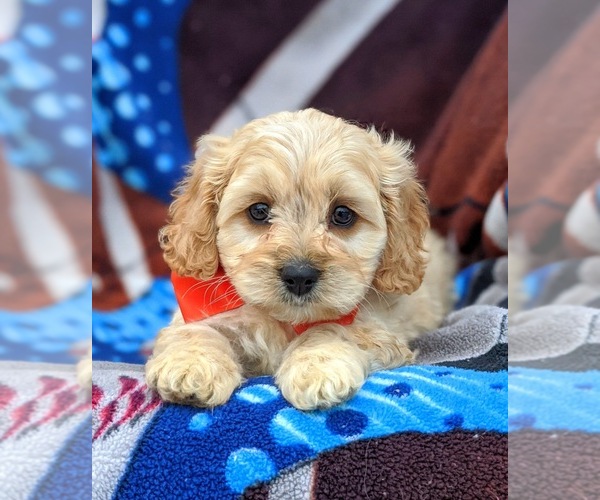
x: 299, y: 278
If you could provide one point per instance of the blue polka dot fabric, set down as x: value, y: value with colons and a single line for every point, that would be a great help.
x: 534, y: 394
x: 45, y: 112
x: 55, y: 334
x: 120, y: 335
x: 137, y: 119
x: 223, y: 451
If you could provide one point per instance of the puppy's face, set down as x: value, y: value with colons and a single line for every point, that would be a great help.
x: 301, y: 228
x: 305, y: 213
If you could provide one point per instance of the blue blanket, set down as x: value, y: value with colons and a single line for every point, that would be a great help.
x: 146, y: 449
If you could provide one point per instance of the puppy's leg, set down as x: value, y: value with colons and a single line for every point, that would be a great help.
x: 193, y: 364
x: 383, y: 349
x: 321, y: 368
x: 327, y: 364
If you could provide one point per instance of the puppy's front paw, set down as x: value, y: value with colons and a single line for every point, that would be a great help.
x: 312, y: 378
x: 205, y: 378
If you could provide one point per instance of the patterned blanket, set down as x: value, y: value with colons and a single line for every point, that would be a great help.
x: 440, y: 429
x: 45, y: 425
x: 554, y: 383
x: 408, y: 431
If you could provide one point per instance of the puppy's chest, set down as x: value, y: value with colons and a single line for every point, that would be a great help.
x: 248, y: 324
x: 392, y: 313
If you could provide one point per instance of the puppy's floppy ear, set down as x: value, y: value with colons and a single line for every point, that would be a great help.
x: 404, y: 201
x: 189, y: 241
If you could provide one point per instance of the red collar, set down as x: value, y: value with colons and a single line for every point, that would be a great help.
x: 202, y: 299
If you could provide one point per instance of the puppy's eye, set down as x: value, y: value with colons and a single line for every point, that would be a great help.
x: 259, y: 213
x: 342, y: 216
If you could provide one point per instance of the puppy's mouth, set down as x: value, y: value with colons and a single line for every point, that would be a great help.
x: 307, y: 300
x: 307, y: 308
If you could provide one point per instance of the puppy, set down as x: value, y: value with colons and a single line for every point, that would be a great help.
x: 311, y: 219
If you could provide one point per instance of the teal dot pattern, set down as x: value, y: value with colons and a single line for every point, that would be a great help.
x: 44, y: 94
x: 137, y: 119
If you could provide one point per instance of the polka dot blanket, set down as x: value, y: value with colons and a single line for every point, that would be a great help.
x: 44, y: 113
x: 137, y: 120
x: 438, y: 429
x: 257, y: 442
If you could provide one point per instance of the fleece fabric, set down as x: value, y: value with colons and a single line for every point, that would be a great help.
x: 571, y: 405
x: 45, y: 429
x: 553, y: 465
x: 476, y: 333
x: 548, y: 333
x: 70, y: 474
x: 554, y: 383
x: 218, y: 453
x: 143, y: 448
x: 257, y: 443
x: 123, y: 408
x: 467, y: 465
x: 560, y: 325
x: 131, y: 89
x: 553, y: 401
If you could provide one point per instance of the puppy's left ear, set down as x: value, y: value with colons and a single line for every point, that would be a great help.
x: 404, y: 201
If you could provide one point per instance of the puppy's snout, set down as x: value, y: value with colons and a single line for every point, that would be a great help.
x: 299, y: 277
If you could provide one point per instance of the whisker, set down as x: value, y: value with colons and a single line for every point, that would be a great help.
x: 192, y: 288
x: 199, y: 284
x: 230, y: 295
x: 378, y: 294
x: 212, y: 288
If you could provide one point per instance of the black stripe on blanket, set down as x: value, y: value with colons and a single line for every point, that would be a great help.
x: 494, y: 360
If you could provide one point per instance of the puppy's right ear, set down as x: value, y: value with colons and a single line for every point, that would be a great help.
x: 189, y: 241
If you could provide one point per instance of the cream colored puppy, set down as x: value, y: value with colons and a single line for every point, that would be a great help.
x: 311, y: 218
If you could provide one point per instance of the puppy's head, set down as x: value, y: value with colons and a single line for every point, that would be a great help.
x: 305, y: 212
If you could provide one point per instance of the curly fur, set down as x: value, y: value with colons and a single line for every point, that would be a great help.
x: 189, y: 242
x: 404, y: 202
x: 302, y: 164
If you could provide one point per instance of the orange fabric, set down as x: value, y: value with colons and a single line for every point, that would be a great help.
x: 344, y: 321
x: 202, y: 299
